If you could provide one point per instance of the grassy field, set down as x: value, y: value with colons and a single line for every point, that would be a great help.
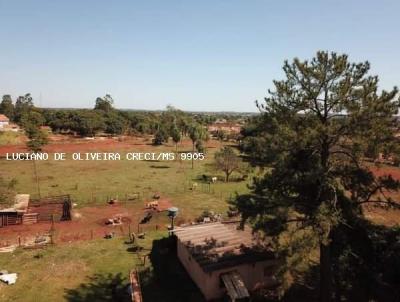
x: 97, y: 270
x: 10, y: 138
x: 85, y: 271
x: 93, y: 182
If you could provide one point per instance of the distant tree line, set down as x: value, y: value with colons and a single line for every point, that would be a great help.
x: 104, y: 119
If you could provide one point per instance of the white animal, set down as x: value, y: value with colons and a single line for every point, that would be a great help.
x: 214, y: 179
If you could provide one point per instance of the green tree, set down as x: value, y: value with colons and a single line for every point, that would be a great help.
x: 196, y: 134
x: 7, y: 191
x: 227, y: 161
x: 158, y: 138
x: 31, y: 121
x: 37, y: 138
x: 221, y: 135
x: 176, y: 137
x: 7, y: 106
x: 114, y: 123
x: 318, y: 124
x: 105, y: 103
x: 89, y: 123
x: 23, y: 105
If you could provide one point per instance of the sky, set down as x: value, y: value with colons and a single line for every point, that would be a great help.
x: 208, y: 55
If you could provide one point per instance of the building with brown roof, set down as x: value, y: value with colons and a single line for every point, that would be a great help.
x: 223, y: 260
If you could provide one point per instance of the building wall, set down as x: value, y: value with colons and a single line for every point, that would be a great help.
x: 3, y: 124
x: 210, y: 283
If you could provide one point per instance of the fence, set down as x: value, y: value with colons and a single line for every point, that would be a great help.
x: 63, y: 236
x: 96, y: 197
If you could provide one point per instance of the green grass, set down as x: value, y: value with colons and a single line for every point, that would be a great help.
x: 70, y: 272
x: 87, y: 271
x: 10, y: 138
x: 93, y: 182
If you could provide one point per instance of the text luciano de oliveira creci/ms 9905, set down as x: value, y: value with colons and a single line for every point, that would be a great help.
x: 141, y: 156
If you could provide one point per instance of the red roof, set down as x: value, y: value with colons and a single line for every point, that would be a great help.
x: 3, y: 118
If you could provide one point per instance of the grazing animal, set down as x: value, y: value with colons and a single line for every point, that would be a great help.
x: 214, y: 179
x: 152, y: 205
x: 146, y: 218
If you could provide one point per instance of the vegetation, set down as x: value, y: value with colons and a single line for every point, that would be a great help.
x: 316, y: 128
x: 7, y: 106
x: 7, y: 190
x: 227, y: 161
x: 310, y: 142
x: 82, y: 271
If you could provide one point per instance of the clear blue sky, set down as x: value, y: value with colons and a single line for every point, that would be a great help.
x: 196, y: 55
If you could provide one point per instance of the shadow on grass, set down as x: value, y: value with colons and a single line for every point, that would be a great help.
x: 160, y: 167
x: 168, y: 280
x: 101, y: 287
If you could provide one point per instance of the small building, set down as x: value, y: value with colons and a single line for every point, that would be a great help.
x: 11, y: 127
x: 30, y: 211
x: 4, y: 121
x: 223, y: 260
x: 15, y: 214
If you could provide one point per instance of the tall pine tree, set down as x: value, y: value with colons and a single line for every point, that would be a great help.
x: 318, y: 125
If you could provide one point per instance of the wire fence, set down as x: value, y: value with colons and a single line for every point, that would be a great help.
x: 56, y: 236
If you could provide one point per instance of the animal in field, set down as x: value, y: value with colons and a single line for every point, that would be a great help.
x: 152, y: 205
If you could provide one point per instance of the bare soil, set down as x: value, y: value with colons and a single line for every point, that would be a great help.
x: 88, y: 223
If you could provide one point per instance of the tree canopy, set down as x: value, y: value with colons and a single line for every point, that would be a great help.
x: 7, y: 106
x: 317, y: 126
x: 227, y: 161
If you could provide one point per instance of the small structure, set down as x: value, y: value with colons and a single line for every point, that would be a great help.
x: 172, y: 213
x: 4, y: 121
x: 223, y: 260
x: 30, y: 211
x: 51, y: 208
x: 15, y: 214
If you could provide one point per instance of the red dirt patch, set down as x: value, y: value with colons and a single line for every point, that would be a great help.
x: 386, y: 170
x: 87, y: 223
x: 100, y: 145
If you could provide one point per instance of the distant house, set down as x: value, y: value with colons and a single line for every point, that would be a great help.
x: 232, y: 128
x: 11, y: 127
x: 225, y: 261
x: 4, y: 121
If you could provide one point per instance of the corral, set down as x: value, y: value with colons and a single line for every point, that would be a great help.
x: 30, y: 211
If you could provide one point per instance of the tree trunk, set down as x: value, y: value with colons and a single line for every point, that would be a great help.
x: 325, y: 273
x: 192, y: 155
x: 36, y: 177
x: 227, y: 174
